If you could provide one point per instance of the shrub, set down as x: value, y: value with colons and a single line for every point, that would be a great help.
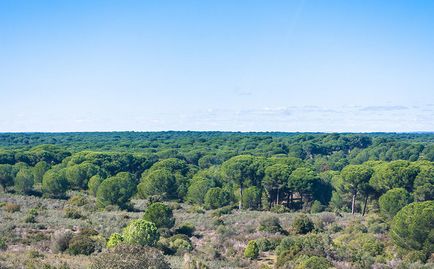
x: 72, y: 213
x: 160, y: 214
x: 316, y: 207
x: 24, y: 181
x: 327, y: 218
x: 116, y: 190
x: 424, y: 184
x: 141, y: 232
x: 270, y: 224
x: 160, y: 182
x: 414, y: 256
x: 313, y: 262
x: 279, y: 209
x: 265, y: 244
x: 164, y: 245
x: 196, y: 209
x: 252, y: 250
x: 11, y: 207
x: 293, y: 247
x: 81, y: 245
x: 34, y: 254
x: 412, y: 227
x: 3, y: 245
x: 130, y: 256
x: 360, y: 248
x: 198, y: 189
x: 302, y: 224
x: 114, y: 240
x: 77, y: 200
x: 193, y: 263
x: 217, y: 197
x: 54, y: 184
x: 226, y: 210
x: 6, y: 175
x: 251, y: 198
x: 186, y: 228
x: 181, y: 246
x: 393, y: 200
x: 88, y: 232
x: 39, y: 170
x: 60, y: 241
x: 93, y: 184
x: 31, y: 216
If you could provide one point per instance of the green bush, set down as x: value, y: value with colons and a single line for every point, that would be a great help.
x: 270, y: 224
x: 116, y: 190
x: 72, y: 213
x: 359, y: 248
x: 316, y: 207
x: 160, y: 182
x: 114, y: 240
x: 313, y: 262
x: 130, y: 256
x: 81, y: 245
x: 290, y: 248
x: 24, y: 181
x: 186, y: 228
x: 217, y: 197
x: 302, y: 224
x: 54, y: 184
x: 88, y: 232
x: 160, y: 214
x: 225, y: 210
x: 31, y: 216
x: 412, y: 227
x: 198, y: 189
x: 265, y: 244
x: 279, y: 209
x: 3, y: 245
x: 392, y: 201
x: 252, y: 250
x: 251, y: 198
x: 181, y: 246
x: 141, y: 232
x: 94, y: 183
x: 77, y: 200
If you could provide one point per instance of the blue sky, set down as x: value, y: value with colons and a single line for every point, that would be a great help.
x: 346, y: 66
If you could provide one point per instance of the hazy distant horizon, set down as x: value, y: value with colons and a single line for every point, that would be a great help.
x: 285, y: 66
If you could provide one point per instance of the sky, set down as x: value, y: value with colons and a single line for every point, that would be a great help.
x: 292, y: 65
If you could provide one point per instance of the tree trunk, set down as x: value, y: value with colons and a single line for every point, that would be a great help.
x: 364, y: 206
x: 353, y: 203
x: 240, y: 206
x: 277, y: 196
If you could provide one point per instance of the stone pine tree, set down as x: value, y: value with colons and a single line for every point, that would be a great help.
x: 241, y: 171
x: 355, y: 181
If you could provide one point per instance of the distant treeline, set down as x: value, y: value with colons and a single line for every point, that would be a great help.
x: 256, y: 170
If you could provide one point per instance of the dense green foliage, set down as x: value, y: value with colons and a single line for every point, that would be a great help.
x: 412, y: 227
x: 114, y: 240
x: 206, y: 175
x: 141, y: 232
x: 252, y: 250
x: 160, y: 214
x: 116, y: 190
x: 393, y: 200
